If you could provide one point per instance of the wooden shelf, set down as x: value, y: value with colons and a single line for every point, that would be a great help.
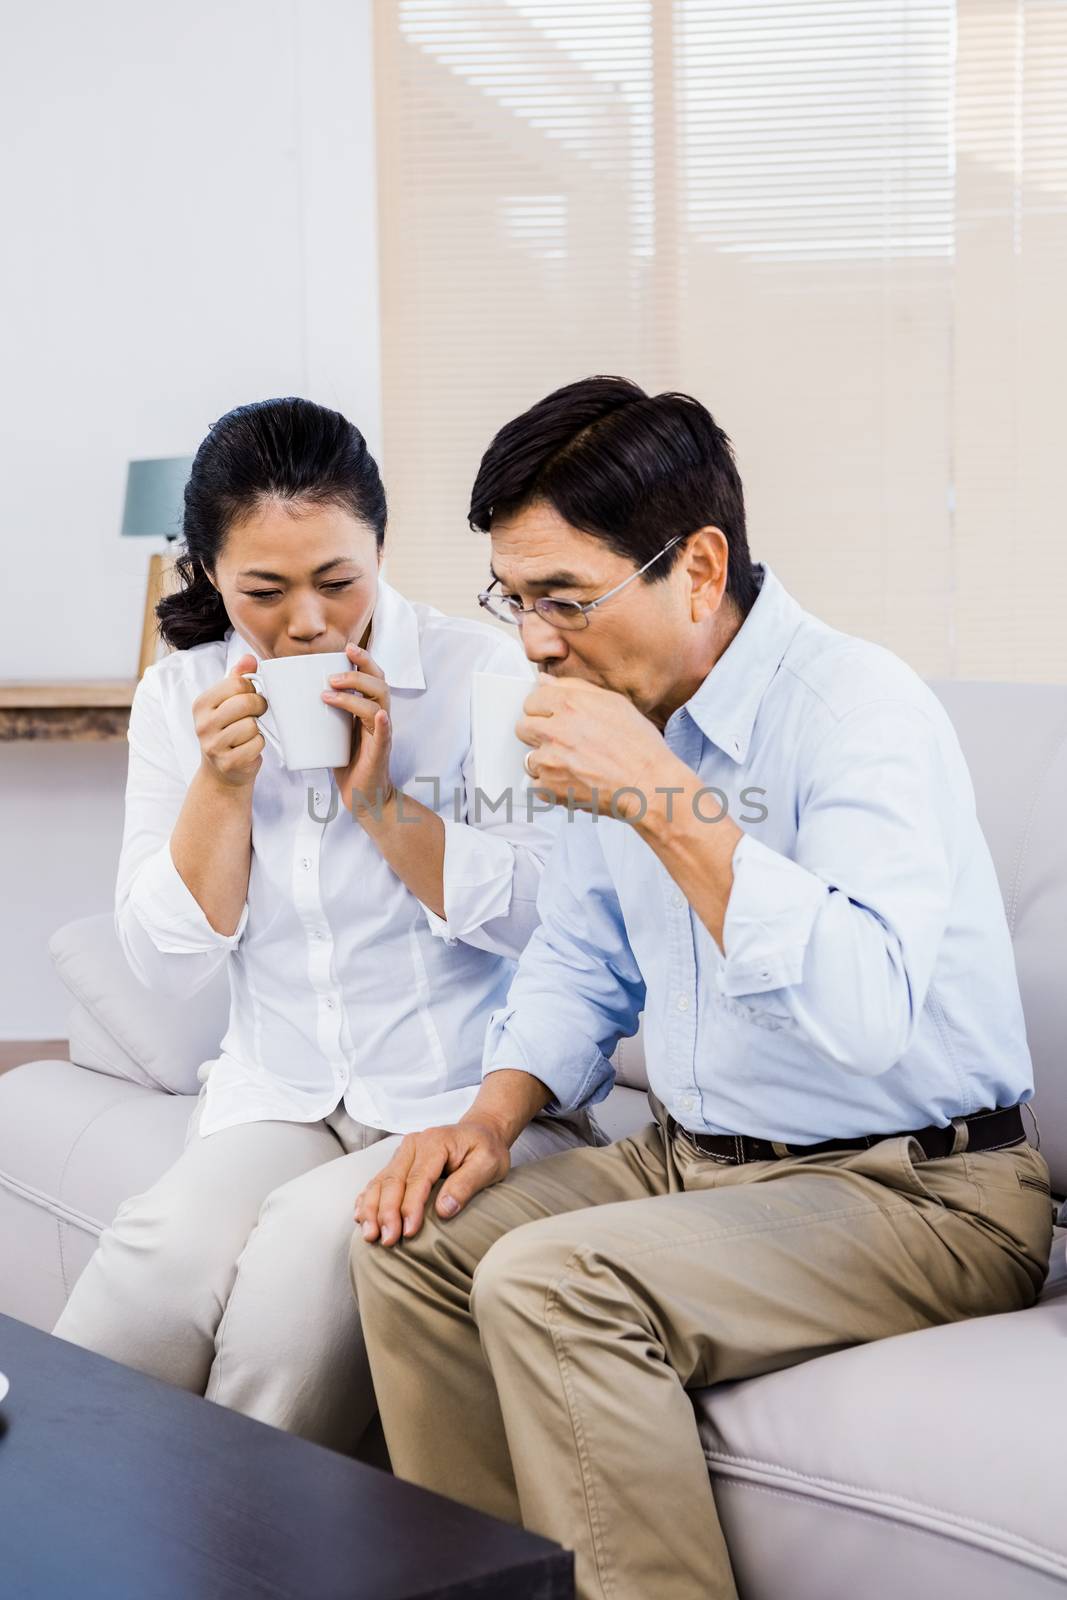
x: 41, y: 693
x: 51, y: 708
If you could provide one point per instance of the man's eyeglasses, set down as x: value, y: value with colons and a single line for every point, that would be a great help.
x: 565, y: 614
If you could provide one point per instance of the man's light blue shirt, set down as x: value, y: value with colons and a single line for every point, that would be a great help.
x: 868, y: 983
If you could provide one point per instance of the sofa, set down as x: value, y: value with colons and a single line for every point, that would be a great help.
x: 930, y: 1463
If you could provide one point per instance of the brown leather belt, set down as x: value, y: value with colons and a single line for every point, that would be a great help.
x: 986, y: 1130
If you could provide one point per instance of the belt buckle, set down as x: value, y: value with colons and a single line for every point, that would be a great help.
x: 705, y: 1155
x: 724, y: 1161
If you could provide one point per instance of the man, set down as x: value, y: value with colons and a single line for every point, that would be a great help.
x: 773, y: 853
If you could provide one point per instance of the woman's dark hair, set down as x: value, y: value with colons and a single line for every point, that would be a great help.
x: 630, y: 468
x: 290, y: 450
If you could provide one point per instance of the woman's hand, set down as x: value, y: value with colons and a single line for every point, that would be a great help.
x: 231, y: 745
x: 365, y: 693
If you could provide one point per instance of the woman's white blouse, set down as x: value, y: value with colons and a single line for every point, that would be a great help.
x: 342, y: 983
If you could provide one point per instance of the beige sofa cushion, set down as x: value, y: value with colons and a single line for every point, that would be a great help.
x: 119, y: 1027
x: 927, y: 1464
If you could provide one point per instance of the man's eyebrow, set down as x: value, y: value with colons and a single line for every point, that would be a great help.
x: 279, y: 577
x: 555, y: 580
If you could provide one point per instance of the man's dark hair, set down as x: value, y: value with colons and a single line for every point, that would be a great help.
x: 629, y: 468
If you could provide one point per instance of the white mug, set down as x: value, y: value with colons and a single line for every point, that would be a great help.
x: 496, y: 706
x: 310, y: 732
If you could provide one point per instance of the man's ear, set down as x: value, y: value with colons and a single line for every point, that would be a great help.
x: 707, y: 562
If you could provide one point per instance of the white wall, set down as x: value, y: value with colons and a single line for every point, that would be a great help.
x: 190, y: 223
x: 60, y: 830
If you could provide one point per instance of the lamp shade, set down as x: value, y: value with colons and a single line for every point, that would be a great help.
x: 155, y: 497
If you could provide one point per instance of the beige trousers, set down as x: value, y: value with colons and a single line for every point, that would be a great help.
x: 571, y: 1306
x: 229, y: 1276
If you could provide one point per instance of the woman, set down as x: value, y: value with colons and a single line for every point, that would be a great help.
x: 366, y: 944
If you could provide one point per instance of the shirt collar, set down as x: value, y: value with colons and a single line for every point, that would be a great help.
x: 394, y: 639
x: 393, y: 642
x: 727, y: 703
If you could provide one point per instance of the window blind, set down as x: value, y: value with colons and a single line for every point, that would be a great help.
x: 841, y: 223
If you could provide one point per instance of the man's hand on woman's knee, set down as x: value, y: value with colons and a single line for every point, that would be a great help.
x: 474, y: 1153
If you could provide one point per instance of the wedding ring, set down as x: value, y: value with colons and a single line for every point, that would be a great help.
x: 526, y: 763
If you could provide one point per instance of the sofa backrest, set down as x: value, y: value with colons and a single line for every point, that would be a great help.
x: 1014, y: 737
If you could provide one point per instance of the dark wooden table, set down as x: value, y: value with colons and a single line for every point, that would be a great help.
x: 114, y: 1486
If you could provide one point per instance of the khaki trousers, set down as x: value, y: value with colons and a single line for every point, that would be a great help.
x: 531, y: 1356
x: 229, y: 1276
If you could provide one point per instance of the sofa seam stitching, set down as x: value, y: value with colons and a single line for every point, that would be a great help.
x: 903, y: 1502
x: 1052, y: 1559
x: 62, y: 1176
x: 63, y: 1213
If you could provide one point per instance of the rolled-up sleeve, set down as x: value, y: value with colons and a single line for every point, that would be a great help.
x: 578, y: 989
x: 838, y: 943
x: 167, y: 940
x: 494, y: 854
x: 492, y: 874
x: 769, y: 920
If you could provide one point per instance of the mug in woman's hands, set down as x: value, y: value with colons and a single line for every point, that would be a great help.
x: 310, y: 733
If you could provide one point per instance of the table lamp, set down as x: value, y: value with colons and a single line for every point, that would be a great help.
x: 155, y: 499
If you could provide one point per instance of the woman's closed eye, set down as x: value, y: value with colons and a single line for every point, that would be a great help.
x: 271, y: 594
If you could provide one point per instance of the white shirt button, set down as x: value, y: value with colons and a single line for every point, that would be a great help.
x: 677, y: 900
x: 306, y: 863
x: 330, y: 1003
x: 682, y: 1002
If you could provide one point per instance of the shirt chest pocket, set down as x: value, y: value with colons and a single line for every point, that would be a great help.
x: 756, y: 1016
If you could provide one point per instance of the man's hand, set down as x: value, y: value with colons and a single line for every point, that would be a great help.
x: 588, y: 743
x: 393, y: 1205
